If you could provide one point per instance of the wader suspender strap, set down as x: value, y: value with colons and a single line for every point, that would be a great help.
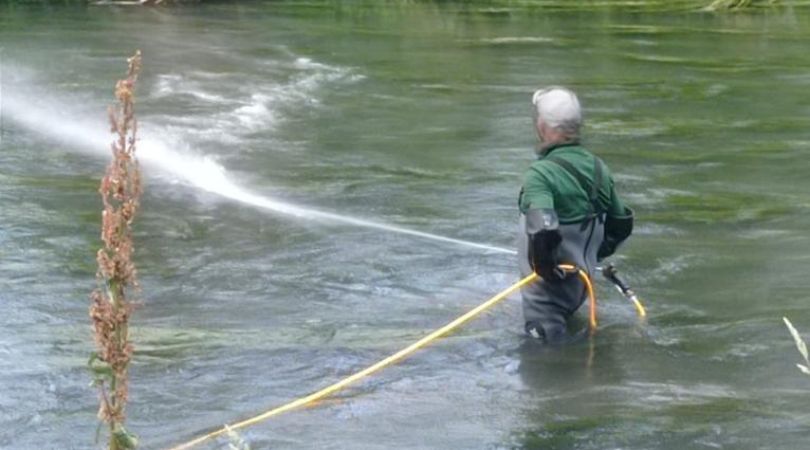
x: 520, y: 197
x: 593, y: 198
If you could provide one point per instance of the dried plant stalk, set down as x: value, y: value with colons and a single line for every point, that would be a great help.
x: 111, y: 308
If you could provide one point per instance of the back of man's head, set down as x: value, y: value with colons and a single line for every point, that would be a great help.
x: 558, y: 108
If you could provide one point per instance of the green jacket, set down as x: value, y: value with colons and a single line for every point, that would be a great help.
x: 548, y: 185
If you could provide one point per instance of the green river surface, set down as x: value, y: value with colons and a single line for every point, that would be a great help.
x: 415, y: 115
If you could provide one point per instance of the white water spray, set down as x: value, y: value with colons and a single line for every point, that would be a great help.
x: 201, y: 173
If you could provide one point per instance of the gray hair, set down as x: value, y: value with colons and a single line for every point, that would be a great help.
x: 558, y: 108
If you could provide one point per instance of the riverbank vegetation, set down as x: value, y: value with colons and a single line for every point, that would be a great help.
x: 737, y: 4
x: 651, y: 5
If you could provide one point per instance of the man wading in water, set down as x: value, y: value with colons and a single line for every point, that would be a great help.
x: 569, y: 213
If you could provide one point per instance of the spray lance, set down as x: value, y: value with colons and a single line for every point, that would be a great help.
x: 612, y: 275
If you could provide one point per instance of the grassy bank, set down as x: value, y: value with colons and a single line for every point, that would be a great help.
x: 633, y: 5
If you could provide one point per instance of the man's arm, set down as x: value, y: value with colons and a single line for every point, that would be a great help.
x: 536, y: 193
x: 537, y: 203
x: 618, y: 225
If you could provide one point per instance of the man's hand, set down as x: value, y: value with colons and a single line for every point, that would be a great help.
x: 543, y: 255
x: 617, y: 229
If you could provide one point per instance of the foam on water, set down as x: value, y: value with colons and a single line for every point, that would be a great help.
x: 54, y: 120
x: 173, y: 84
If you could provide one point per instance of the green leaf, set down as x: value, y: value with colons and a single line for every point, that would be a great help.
x: 124, y: 438
x: 800, y: 344
x: 803, y: 368
x: 101, y: 370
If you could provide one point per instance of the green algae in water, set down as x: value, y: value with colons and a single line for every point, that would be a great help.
x: 683, y: 421
x: 719, y: 207
x: 566, y: 433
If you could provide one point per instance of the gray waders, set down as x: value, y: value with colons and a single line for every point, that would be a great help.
x: 550, y: 305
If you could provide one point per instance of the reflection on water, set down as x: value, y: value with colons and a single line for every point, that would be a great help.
x: 416, y: 116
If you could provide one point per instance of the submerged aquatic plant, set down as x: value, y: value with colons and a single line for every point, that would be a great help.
x: 801, y: 345
x: 111, y: 306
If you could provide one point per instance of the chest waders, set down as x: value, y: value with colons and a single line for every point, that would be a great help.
x: 547, y: 305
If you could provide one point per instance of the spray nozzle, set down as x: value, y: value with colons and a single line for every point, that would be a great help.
x: 611, y: 274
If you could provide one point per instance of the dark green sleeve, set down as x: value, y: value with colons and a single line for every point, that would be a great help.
x: 537, y: 192
x: 616, y: 208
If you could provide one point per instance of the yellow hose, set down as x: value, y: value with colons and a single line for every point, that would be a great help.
x: 639, y: 307
x: 591, y: 299
x: 461, y: 320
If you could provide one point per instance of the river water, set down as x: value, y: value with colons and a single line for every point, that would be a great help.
x: 270, y: 129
